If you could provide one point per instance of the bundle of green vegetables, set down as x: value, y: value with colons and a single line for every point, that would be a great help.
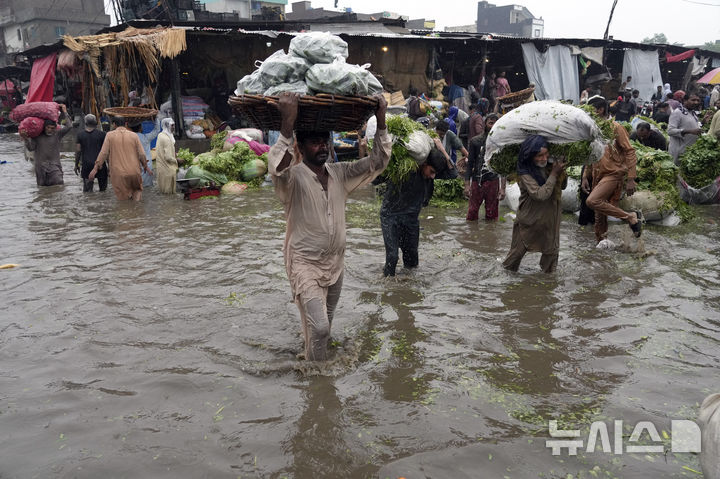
x: 401, y: 162
x: 656, y: 172
x: 217, y: 140
x: 186, y: 155
x: 575, y: 153
x: 700, y: 163
x: 238, y: 164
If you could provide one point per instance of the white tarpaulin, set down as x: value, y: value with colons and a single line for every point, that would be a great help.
x: 554, y: 72
x: 644, y: 68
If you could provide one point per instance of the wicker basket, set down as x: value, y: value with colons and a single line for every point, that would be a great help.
x: 516, y: 98
x: 130, y: 112
x: 322, y: 112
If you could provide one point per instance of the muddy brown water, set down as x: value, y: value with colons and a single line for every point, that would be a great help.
x: 158, y: 340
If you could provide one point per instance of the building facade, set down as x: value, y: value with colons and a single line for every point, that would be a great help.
x: 514, y: 20
x: 27, y: 24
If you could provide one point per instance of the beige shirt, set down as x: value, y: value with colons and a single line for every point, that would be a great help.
x: 314, y: 247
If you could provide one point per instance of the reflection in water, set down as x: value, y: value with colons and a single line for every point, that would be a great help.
x: 157, y: 339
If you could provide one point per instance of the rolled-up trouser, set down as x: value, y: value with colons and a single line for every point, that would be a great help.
x: 548, y: 261
x: 317, y: 309
x: 603, y: 199
x: 486, y: 191
x: 400, y: 231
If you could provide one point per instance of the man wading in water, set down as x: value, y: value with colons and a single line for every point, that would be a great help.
x: 313, y: 194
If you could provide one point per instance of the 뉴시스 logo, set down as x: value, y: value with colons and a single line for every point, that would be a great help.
x: 685, y: 438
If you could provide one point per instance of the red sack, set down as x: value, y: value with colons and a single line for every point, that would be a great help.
x: 47, y: 110
x: 33, y: 126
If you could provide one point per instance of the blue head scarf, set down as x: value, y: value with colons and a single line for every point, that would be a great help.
x: 452, y: 116
x: 529, y: 148
x: 484, y: 106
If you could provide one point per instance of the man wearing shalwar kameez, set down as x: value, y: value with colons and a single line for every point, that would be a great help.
x: 123, y: 150
x: 615, y: 168
x: 167, y: 164
x: 537, y: 225
x: 683, y: 126
x: 313, y: 194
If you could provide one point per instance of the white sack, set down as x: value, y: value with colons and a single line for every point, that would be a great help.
x: 419, y: 145
x: 557, y: 122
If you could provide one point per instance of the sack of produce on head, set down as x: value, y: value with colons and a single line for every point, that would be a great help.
x: 207, y: 177
x: 233, y: 188
x: 281, y: 67
x: 700, y: 171
x: 340, y: 78
x: 251, y: 84
x: 253, y: 169
x: 33, y: 126
x: 571, y: 131
x: 47, y: 110
x: 402, y: 163
x: 419, y: 145
x: 319, y: 47
x: 295, y: 87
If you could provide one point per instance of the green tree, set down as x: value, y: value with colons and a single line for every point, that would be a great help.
x: 656, y: 38
x: 712, y: 46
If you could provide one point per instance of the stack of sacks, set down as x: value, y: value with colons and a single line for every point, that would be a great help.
x: 315, y: 64
x: 32, y: 116
x: 193, y: 108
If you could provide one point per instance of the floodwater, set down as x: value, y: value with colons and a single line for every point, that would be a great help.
x: 158, y: 340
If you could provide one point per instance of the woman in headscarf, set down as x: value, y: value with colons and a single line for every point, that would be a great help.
x: 452, y: 118
x: 666, y: 90
x: 537, y: 225
x: 167, y: 164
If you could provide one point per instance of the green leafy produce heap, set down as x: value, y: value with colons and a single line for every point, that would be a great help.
x: 657, y: 173
x: 700, y: 163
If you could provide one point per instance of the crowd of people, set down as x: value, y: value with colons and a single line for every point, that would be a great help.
x: 125, y: 148
x: 313, y: 188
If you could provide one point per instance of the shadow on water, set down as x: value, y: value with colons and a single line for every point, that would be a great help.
x: 159, y: 339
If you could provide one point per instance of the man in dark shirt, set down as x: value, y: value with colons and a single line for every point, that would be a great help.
x: 662, y: 113
x: 625, y: 109
x: 485, y: 186
x: 88, y: 144
x: 400, y: 210
x: 649, y: 137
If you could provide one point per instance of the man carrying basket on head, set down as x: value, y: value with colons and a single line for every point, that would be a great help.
x: 313, y: 193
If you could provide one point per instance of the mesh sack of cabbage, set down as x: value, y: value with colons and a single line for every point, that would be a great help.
x: 278, y: 69
x: 319, y: 47
x: 571, y: 132
x: 340, y: 78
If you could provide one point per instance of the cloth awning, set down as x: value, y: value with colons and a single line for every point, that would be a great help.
x: 42, y: 79
x: 644, y: 68
x: 554, y: 72
x: 679, y: 57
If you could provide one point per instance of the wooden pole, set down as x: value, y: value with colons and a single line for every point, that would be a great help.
x: 176, y: 99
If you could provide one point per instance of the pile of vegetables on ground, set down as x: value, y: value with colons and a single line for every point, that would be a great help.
x: 239, y: 164
x: 700, y: 163
x: 575, y: 133
x: 448, y: 193
x: 657, y: 173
